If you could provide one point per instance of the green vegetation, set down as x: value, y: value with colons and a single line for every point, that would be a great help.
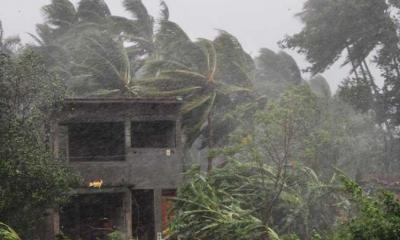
x: 29, y: 176
x: 363, y: 31
x: 377, y: 217
x: 7, y: 233
x: 274, y: 141
x: 278, y: 175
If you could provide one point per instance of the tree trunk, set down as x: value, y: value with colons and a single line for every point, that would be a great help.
x: 371, y: 80
x: 364, y: 73
x: 388, y: 128
x: 396, y: 66
x: 209, y: 142
x: 352, y: 63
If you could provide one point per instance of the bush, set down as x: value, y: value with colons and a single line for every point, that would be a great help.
x: 377, y: 216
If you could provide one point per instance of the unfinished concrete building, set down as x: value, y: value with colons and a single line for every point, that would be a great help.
x: 129, y: 153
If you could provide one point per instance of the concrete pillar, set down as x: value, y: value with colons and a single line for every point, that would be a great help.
x: 127, y: 135
x: 127, y: 212
x: 76, y: 218
x: 157, y: 213
x: 52, y: 224
x: 54, y: 139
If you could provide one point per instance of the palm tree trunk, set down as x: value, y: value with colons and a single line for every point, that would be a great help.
x: 396, y: 66
x: 388, y: 128
x: 371, y: 79
x: 364, y: 74
x: 352, y: 63
x: 210, y: 142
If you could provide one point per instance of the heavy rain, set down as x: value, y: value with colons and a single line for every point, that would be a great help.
x: 199, y: 120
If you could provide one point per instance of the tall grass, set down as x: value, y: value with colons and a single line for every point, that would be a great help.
x: 7, y: 233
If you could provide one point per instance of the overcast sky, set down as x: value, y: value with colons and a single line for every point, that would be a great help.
x: 256, y: 23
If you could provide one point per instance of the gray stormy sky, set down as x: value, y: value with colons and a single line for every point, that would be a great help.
x: 256, y: 23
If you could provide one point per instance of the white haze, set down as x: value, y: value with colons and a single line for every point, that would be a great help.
x: 256, y: 23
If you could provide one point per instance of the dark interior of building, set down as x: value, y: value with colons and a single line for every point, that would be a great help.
x: 92, y: 216
x: 143, y: 215
x: 153, y: 134
x: 96, y: 141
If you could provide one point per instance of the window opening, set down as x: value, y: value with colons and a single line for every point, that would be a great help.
x: 99, y: 141
x: 153, y: 134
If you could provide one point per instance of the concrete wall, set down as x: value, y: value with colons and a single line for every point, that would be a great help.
x: 144, y: 168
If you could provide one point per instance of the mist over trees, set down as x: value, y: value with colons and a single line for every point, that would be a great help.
x: 280, y: 149
x: 367, y: 33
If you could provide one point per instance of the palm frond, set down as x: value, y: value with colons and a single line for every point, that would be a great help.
x: 184, y: 74
x: 10, y: 44
x: 93, y: 10
x: 179, y: 92
x: 193, y: 131
x: 102, y: 57
x: 1, y: 32
x: 156, y: 65
x: 169, y: 33
x: 164, y: 10
x: 237, y: 66
x: 196, y: 103
x: 273, y: 235
x: 227, y: 89
x: 139, y: 11
x: 124, y: 25
x: 7, y: 233
x: 211, y: 55
x: 37, y: 39
x: 60, y: 13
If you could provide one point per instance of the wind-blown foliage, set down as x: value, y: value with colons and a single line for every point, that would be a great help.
x: 275, y: 72
x: 357, y: 25
x: 7, y: 233
x: 88, y: 47
x: 205, y: 74
x: 8, y: 45
x: 110, y: 55
x: 320, y: 86
x: 378, y: 215
x: 266, y: 180
x: 30, y: 180
x: 360, y: 31
x: 277, y: 171
x: 207, y: 212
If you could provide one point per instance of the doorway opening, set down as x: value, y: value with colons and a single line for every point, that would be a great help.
x: 143, y: 214
x: 92, y: 216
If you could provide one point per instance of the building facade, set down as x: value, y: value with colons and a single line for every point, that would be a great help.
x: 128, y: 152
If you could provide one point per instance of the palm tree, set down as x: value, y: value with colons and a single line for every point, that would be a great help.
x: 92, y: 50
x: 194, y: 71
x: 275, y: 72
x: 63, y: 31
x: 104, y: 54
x: 118, y: 53
x: 8, y: 45
x: 334, y: 27
x: 320, y: 86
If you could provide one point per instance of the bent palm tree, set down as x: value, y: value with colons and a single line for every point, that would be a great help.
x: 92, y: 50
x: 8, y: 45
x: 193, y: 71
